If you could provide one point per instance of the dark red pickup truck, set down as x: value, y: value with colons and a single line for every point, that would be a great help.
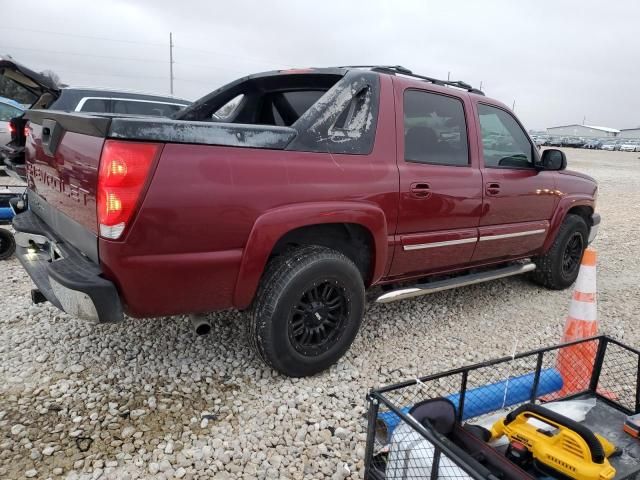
x: 289, y: 193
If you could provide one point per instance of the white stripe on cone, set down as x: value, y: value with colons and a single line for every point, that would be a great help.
x: 586, y: 282
x: 587, y: 311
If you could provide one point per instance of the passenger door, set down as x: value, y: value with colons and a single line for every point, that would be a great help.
x: 440, y: 182
x: 518, y: 198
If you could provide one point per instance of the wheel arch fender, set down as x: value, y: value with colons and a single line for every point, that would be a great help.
x: 273, y: 224
x: 563, y: 208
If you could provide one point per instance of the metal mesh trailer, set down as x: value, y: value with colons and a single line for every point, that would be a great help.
x: 399, y: 447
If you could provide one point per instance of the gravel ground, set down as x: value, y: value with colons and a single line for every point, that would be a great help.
x: 148, y: 399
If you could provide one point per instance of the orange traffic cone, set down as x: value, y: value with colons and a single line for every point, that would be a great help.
x: 576, y: 362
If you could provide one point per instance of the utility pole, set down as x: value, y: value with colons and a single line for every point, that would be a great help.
x: 584, y: 119
x: 171, y: 63
x: 480, y: 85
x: 448, y: 76
x: 513, y: 108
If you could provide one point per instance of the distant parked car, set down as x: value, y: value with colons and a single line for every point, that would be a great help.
x: 49, y: 96
x: 630, y: 146
x: 573, y: 142
x: 555, y: 142
x: 593, y: 144
x: 541, y: 141
x: 610, y: 145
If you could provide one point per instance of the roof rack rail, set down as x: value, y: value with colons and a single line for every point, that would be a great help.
x: 399, y: 69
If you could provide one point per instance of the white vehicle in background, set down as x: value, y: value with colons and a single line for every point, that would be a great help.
x: 8, y: 110
x: 610, y: 145
x: 630, y: 146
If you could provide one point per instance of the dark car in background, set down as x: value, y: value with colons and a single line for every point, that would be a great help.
x: 45, y: 94
x: 593, y: 144
x: 573, y: 142
x: 101, y: 100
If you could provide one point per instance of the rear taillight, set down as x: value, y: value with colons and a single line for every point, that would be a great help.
x: 124, y: 167
x: 12, y: 128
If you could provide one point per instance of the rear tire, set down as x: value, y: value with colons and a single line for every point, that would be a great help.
x: 307, y: 311
x: 558, y: 268
x: 7, y: 244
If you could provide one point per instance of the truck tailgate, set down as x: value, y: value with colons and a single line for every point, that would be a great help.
x: 62, y: 156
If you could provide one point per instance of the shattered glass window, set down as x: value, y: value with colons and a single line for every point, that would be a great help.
x: 228, y: 109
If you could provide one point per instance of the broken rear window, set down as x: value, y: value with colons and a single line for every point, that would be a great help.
x: 272, y: 99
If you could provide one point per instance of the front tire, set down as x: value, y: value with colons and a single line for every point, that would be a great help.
x: 558, y: 268
x: 307, y: 311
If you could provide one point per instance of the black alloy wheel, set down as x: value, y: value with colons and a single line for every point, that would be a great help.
x: 307, y: 311
x: 319, y: 318
x: 558, y: 268
x: 572, y: 254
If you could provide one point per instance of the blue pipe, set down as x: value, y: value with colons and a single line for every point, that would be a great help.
x: 6, y: 213
x: 489, y: 398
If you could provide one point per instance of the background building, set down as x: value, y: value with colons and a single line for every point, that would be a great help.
x: 588, y: 131
x: 630, y: 133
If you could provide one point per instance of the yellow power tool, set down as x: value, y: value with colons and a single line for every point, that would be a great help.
x: 568, y: 447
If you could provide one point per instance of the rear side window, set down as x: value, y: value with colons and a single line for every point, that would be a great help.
x: 284, y: 108
x: 134, y: 107
x: 97, y: 105
x: 504, y: 143
x: 435, y: 130
x: 228, y: 109
x: 301, y: 100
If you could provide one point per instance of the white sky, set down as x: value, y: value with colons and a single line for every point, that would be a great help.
x: 559, y: 61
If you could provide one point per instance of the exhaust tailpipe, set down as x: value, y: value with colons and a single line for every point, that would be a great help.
x: 201, y: 324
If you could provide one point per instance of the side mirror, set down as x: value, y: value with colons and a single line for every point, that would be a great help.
x: 553, y: 159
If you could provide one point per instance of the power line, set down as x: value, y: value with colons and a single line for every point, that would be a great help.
x: 108, y: 39
x: 109, y: 74
x: 64, y: 34
x: 172, y: 47
x: 216, y: 68
x: 202, y: 82
x: 112, y: 57
x: 232, y: 55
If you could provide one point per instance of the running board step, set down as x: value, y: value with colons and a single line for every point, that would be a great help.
x: 449, y: 283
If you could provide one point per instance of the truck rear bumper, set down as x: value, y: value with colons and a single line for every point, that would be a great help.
x: 67, y: 278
